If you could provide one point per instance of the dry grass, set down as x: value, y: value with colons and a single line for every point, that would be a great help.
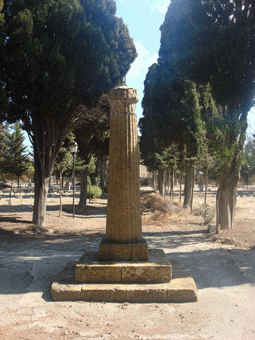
x: 155, y: 202
x: 157, y: 210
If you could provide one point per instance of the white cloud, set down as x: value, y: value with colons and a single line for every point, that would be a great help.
x: 143, y: 61
x: 160, y: 5
x: 163, y: 8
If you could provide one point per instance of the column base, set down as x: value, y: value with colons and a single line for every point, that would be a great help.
x: 156, y: 270
x: 181, y: 288
x: 123, y: 252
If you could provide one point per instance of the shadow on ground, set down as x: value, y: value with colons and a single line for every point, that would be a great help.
x: 37, y: 259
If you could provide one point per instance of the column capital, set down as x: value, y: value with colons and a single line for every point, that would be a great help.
x: 122, y: 99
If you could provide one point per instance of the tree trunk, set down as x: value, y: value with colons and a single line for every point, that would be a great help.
x: 172, y: 183
x: 162, y: 182
x: 180, y: 195
x: 189, y: 187
x: 102, y: 172
x: 83, y: 194
x: 154, y: 180
x: 226, y: 198
x: 40, y: 198
x: 60, y: 192
x: 206, y: 184
x: 167, y: 183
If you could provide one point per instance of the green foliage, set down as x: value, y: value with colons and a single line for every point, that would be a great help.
x: 172, y: 115
x: 93, y: 134
x: 58, y: 56
x: 94, y: 191
x: 207, y: 213
x: 64, y: 160
x: 3, y: 99
x: 248, y: 162
x: 92, y: 165
x: 213, y: 42
x: 69, y: 52
x: 15, y: 159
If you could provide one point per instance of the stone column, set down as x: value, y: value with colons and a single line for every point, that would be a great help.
x: 124, y: 229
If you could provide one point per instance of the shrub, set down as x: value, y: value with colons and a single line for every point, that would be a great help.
x: 93, y: 191
x: 207, y: 213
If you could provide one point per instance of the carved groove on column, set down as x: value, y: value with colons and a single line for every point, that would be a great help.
x: 123, y: 210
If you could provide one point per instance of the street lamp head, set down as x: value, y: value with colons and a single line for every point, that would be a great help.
x: 73, y: 147
x: 171, y: 159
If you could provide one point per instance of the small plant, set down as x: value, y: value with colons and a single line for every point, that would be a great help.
x: 207, y: 213
x: 94, y: 191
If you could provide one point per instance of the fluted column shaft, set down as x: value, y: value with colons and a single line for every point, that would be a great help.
x: 123, y: 210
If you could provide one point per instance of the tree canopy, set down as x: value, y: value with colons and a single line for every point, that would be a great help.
x: 213, y: 42
x: 210, y: 44
x: 57, y: 56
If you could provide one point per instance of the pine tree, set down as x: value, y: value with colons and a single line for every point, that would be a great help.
x: 16, y: 160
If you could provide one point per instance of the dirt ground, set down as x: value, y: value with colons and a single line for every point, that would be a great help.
x: 221, y: 265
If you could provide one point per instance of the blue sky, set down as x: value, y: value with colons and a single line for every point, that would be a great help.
x: 143, y: 18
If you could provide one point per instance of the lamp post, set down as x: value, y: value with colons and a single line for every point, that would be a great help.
x: 73, y: 149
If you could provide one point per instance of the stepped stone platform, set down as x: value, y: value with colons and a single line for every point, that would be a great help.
x: 155, y: 280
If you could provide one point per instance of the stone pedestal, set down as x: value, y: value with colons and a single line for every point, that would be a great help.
x: 124, y: 269
x: 124, y: 228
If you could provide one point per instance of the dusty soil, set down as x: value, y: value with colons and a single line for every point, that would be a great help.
x: 30, y: 258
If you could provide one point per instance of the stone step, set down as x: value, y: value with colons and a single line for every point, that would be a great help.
x: 181, y: 288
x: 156, y: 270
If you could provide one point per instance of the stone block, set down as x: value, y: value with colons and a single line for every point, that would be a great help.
x: 147, y: 293
x: 156, y: 270
x: 146, y: 273
x: 103, y: 292
x: 96, y: 273
x: 123, y: 252
x: 65, y: 292
x: 182, y: 290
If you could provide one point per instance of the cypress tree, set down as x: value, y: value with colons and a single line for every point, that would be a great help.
x: 57, y: 56
x: 214, y: 42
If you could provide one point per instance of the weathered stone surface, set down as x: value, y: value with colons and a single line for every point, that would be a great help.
x: 146, y: 273
x: 156, y: 270
x: 181, y: 289
x: 66, y: 292
x: 147, y: 293
x: 123, y: 252
x: 103, y: 292
x: 123, y: 210
x: 98, y: 273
